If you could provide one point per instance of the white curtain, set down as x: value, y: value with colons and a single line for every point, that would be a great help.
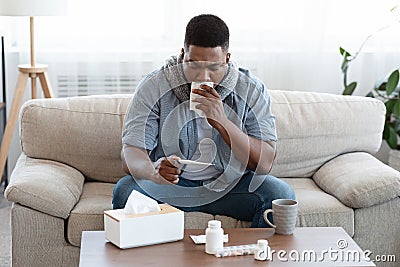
x: 106, y: 46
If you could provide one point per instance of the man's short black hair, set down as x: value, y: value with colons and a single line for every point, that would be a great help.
x: 207, y: 31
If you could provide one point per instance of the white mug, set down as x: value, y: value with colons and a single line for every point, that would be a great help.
x: 284, y: 212
x: 196, y: 85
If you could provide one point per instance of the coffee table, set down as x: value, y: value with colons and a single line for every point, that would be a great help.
x: 332, y: 247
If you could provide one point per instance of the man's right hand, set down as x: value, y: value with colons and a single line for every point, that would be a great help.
x: 136, y: 161
x: 168, y: 168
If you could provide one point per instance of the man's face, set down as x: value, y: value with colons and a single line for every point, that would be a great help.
x: 205, y: 64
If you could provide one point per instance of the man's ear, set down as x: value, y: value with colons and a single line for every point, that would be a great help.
x: 227, y: 57
x: 181, y: 55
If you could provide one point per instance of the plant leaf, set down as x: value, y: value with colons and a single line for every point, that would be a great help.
x: 397, y: 126
x: 390, y: 135
x: 392, y: 82
x: 350, y: 88
x: 396, y: 109
x: 344, y: 53
x: 389, y: 106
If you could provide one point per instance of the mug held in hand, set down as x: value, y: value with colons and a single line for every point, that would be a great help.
x: 196, y: 85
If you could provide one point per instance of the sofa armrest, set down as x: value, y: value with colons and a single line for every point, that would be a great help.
x: 358, y: 180
x: 44, y: 185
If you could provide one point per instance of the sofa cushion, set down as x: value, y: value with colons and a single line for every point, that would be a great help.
x: 197, y: 220
x: 229, y: 222
x: 313, y: 128
x: 87, y: 215
x: 359, y: 180
x: 44, y: 185
x: 82, y: 132
x: 317, y: 208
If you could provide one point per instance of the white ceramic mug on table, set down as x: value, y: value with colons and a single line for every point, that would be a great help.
x: 284, y: 212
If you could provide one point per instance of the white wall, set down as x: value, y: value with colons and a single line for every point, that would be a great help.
x: 289, y: 45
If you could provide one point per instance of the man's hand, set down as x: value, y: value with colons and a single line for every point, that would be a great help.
x: 256, y: 154
x: 168, y: 168
x: 211, y: 105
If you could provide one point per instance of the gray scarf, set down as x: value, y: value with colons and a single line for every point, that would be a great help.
x: 181, y: 87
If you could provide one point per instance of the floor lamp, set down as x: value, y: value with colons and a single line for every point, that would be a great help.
x: 33, y: 71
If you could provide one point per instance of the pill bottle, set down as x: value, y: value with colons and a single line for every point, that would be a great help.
x: 214, y: 237
x: 261, y: 252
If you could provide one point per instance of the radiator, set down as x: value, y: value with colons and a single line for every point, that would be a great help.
x: 97, y: 78
x: 81, y: 85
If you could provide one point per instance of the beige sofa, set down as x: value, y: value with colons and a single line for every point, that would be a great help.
x: 63, y: 181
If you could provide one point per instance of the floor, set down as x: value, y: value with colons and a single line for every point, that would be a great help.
x: 5, y: 230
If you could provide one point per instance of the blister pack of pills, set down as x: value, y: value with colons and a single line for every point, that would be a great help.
x: 236, y: 250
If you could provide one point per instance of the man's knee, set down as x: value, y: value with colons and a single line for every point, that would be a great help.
x: 287, y: 191
x: 277, y: 188
x: 121, y: 191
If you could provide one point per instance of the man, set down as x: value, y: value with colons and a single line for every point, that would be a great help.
x: 234, y: 138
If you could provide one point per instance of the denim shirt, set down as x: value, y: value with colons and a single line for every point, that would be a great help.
x: 159, y: 122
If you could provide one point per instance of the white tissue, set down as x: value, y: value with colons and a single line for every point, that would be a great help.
x: 138, y: 203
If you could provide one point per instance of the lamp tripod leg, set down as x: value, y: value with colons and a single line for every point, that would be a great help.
x: 33, y: 85
x: 45, y: 83
x: 12, y: 119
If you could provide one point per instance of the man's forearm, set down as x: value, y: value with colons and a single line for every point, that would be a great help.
x: 256, y: 154
x: 138, y: 163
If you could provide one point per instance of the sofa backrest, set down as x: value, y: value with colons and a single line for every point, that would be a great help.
x: 85, y: 132
x: 313, y: 128
x: 82, y: 132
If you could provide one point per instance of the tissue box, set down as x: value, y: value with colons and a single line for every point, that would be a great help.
x: 135, y: 230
